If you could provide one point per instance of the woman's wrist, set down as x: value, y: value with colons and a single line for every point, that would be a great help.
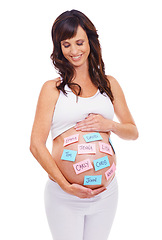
x: 111, y: 126
x: 65, y: 185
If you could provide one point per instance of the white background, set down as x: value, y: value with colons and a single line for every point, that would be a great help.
x: 130, y: 36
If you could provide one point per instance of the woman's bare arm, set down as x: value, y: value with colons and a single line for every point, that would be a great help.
x: 40, y: 131
x: 126, y: 129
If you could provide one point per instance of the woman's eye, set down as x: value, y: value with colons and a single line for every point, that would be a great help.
x: 66, y: 45
x: 80, y: 43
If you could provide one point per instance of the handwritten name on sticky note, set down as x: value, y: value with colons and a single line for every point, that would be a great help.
x: 110, y: 171
x: 71, y: 139
x: 101, y: 163
x: 82, y: 166
x: 105, y: 148
x: 69, y: 155
x: 93, y: 180
x: 87, y: 148
x: 90, y: 137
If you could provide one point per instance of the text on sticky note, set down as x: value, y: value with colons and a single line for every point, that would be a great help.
x: 69, y: 155
x: 93, y: 180
x: 71, y: 139
x: 82, y: 166
x: 90, y: 137
x: 87, y: 148
x: 101, y: 163
x: 110, y: 171
x: 105, y: 148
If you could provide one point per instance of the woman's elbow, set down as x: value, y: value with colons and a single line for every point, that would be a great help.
x: 32, y: 147
x: 135, y: 134
x: 36, y: 145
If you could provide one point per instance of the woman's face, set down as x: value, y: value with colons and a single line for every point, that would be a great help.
x: 76, y: 50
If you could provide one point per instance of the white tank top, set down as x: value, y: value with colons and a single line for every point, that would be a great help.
x: 68, y: 111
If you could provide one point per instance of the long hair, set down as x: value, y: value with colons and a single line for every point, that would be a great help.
x: 65, y: 27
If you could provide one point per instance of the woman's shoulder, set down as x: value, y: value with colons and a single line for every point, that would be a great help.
x: 51, y: 84
x: 116, y: 90
x: 49, y: 91
x: 115, y: 86
x: 111, y: 79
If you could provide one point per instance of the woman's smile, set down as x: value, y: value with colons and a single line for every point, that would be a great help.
x: 76, y: 58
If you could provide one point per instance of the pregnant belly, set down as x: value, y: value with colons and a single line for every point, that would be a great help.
x: 85, y: 158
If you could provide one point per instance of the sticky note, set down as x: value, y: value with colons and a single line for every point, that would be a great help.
x: 111, y: 145
x: 93, y: 180
x: 105, y: 148
x: 69, y: 155
x: 90, y: 137
x: 71, y: 139
x: 82, y: 166
x: 101, y: 163
x: 110, y: 171
x: 87, y: 148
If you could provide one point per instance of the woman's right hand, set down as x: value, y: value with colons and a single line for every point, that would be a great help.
x: 84, y: 192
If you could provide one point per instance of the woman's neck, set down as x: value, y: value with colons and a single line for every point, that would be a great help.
x: 82, y: 76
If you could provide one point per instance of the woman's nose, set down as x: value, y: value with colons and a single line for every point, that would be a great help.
x: 74, y: 50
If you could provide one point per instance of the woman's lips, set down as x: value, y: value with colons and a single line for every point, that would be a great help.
x: 76, y: 58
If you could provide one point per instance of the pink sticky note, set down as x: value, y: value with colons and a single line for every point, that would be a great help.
x: 82, y: 166
x: 110, y: 171
x: 87, y: 148
x: 71, y: 139
x: 105, y: 148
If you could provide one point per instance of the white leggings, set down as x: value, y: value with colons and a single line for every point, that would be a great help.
x: 73, y: 218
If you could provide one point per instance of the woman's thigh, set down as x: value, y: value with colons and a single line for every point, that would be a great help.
x: 97, y: 225
x: 65, y: 222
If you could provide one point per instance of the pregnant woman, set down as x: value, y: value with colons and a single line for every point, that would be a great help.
x: 78, y: 108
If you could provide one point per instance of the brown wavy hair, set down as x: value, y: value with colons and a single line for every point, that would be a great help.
x: 65, y: 27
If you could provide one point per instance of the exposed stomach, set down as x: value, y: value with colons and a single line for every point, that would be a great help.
x: 91, y: 164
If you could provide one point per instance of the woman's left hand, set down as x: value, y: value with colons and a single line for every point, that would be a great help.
x: 94, y: 123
